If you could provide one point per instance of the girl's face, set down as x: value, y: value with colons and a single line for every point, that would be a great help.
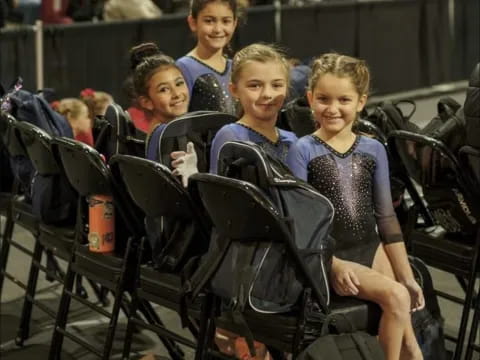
x: 261, y: 89
x: 335, y: 103
x: 214, y: 25
x: 167, y: 94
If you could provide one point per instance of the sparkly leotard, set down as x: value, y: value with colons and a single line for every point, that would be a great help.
x: 208, y: 88
x: 240, y: 132
x: 357, y: 182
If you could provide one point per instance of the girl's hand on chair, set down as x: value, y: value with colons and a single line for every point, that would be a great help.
x: 344, y: 280
x: 416, y: 294
x: 185, y: 163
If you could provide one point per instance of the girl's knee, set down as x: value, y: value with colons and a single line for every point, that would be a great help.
x: 396, y: 300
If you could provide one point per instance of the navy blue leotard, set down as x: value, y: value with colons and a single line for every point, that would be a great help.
x: 240, y: 132
x: 357, y: 183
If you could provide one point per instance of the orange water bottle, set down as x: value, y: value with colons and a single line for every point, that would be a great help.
x: 101, y: 224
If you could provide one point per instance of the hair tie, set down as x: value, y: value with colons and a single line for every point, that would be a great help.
x: 87, y: 93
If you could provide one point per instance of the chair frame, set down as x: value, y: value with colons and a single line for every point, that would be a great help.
x: 469, y: 190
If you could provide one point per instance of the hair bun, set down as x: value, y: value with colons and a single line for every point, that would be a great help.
x: 139, y: 52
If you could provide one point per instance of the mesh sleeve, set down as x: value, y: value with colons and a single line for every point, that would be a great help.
x: 387, y: 222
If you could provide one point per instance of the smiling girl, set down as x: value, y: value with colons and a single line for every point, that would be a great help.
x: 370, y: 260
x: 205, y: 68
x: 158, y: 85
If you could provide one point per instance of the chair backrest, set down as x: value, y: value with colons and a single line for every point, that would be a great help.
x: 37, y: 142
x: 84, y: 167
x: 197, y: 127
x: 152, y: 186
x: 447, y: 189
x: 10, y: 136
x: 242, y: 213
x: 245, y: 161
x: 21, y: 166
x: 117, y: 134
x: 175, y: 226
x: 88, y: 174
x: 54, y: 201
x: 370, y: 129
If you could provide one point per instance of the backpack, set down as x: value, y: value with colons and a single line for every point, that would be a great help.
x: 53, y: 199
x: 428, y: 322
x: 355, y: 345
x: 268, y: 272
x: 448, y: 125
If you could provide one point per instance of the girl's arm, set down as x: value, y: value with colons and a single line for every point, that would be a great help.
x: 223, y: 135
x: 297, y: 161
x: 390, y: 231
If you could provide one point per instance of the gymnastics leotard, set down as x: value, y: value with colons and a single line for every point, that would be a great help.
x: 357, y: 183
x: 240, y: 132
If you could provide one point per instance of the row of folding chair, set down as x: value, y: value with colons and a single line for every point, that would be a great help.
x: 19, y: 212
x: 451, y: 200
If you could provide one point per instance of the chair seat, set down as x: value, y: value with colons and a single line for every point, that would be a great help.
x: 102, y: 268
x: 59, y: 240
x: 165, y: 289
x: 440, y: 251
x: 279, y: 330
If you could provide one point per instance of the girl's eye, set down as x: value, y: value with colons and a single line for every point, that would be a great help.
x: 278, y: 85
x: 322, y: 99
x: 180, y: 83
x: 163, y: 89
x: 227, y: 21
x: 253, y: 86
x: 344, y: 100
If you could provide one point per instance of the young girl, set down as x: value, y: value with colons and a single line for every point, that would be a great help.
x: 76, y: 112
x: 97, y: 101
x: 352, y: 171
x: 205, y: 68
x: 260, y: 79
x: 158, y: 85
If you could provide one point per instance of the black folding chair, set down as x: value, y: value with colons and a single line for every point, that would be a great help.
x: 184, y: 236
x: 240, y: 210
x: 198, y: 127
x: 115, y: 133
x: 89, y: 175
x: 453, y: 199
x: 19, y: 210
x: 55, y: 241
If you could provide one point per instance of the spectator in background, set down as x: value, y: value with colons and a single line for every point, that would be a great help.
x: 96, y: 101
x: 76, y: 112
x: 130, y: 10
x: 299, y: 74
x: 29, y: 9
x: 54, y: 11
x: 85, y: 10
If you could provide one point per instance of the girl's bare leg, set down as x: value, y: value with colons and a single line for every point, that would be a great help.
x: 410, y: 349
x: 394, y: 299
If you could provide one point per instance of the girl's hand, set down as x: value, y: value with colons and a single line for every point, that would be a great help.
x: 344, y: 280
x: 185, y: 163
x: 416, y: 294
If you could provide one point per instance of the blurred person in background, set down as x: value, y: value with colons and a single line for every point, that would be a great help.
x: 130, y: 10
